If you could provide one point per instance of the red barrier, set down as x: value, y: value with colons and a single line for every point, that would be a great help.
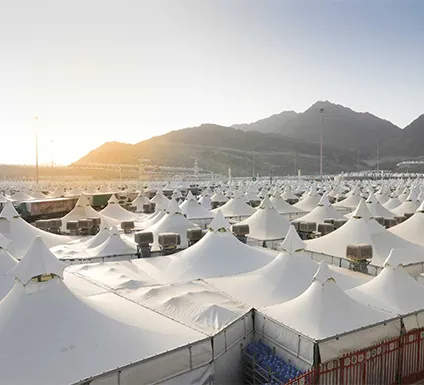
x: 377, y: 365
x: 412, y: 368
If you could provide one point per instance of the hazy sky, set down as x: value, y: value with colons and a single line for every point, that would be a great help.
x: 102, y: 70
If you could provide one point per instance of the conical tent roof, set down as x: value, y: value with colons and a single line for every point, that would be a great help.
x: 393, y: 290
x: 310, y: 201
x: 171, y: 223
x: 20, y: 196
x: 38, y: 260
x: 217, y: 253
x: 323, y: 211
x: 406, y: 207
x: 7, y: 262
x: 79, y: 249
x: 351, y: 201
x: 22, y: 234
x: 219, y: 197
x: 324, y: 310
x: 283, y: 207
x: 267, y: 223
x: 154, y: 218
x: 412, y: 229
x: 376, y: 209
x: 3, y: 199
x: 392, y: 203
x: 115, y: 211
x: 362, y: 229
x: 140, y: 200
x: 83, y: 210
x: 219, y: 222
x: 284, y: 278
x: 288, y: 194
x: 114, y: 245
x: 193, y: 210
x: 161, y: 201
x: 236, y: 207
x: 113, y: 199
x: 101, y: 333
x: 206, y: 202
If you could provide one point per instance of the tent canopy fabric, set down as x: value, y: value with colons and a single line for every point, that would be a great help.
x: 281, y: 280
x: 324, y: 310
x: 217, y: 253
x: 393, y: 290
x: 103, y: 332
x: 363, y: 229
x: 266, y: 223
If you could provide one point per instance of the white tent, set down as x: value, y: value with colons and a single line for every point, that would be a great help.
x: 116, y: 211
x: 161, y: 201
x: 324, y: 310
x: 393, y: 290
x: 172, y: 222
x: 351, y: 202
x: 323, y: 211
x: 20, y: 196
x: 22, y: 234
x: 392, y: 203
x: 288, y: 194
x: 153, y: 218
x: 219, y: 197
x: 79, y: 247
x: 310, y: 200
x: 267, y: 224
x: 83, y: 210
x: 113, y: 275
x: 140, y: 201
x: 408, y: 206
x: 206, y: 200
x: 38, y: 195
x: 412, y: 229
x: 195, y: 304
x: 376, y: 208
x: 49, y: 335
x: 194, y: 211
x: 235, y: 207
x: 218, y: 253
x: 283, y: 207
x: 283, y: 279
x: 7, y: 262
x: 113, y: 246
x: 361, y: 228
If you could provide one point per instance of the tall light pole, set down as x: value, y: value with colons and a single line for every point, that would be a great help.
x: 378, y: 156
x: 36, y: 148
x: 321, y: 111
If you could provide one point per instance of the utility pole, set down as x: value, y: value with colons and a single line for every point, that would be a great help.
x: 253, y: 164
x: 321, y: 111
x: 378, y: 156
x: 36, y: 149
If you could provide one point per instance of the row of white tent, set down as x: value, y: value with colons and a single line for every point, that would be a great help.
x: 163, y: 313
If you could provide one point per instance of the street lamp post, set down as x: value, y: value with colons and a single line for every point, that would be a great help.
x: 321, y: 111
x: 36, y: 149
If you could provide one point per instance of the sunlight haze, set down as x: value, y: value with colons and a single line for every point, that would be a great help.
x: 97, y: 71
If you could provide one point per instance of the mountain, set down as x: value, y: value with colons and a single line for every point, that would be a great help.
x: 217, y: 148
x: 270, y: 124
x: 408, y: 145
x: 280, y: 144
x: 343, y: 128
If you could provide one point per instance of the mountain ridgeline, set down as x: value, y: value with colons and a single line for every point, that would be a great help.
x: 278, y: 145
